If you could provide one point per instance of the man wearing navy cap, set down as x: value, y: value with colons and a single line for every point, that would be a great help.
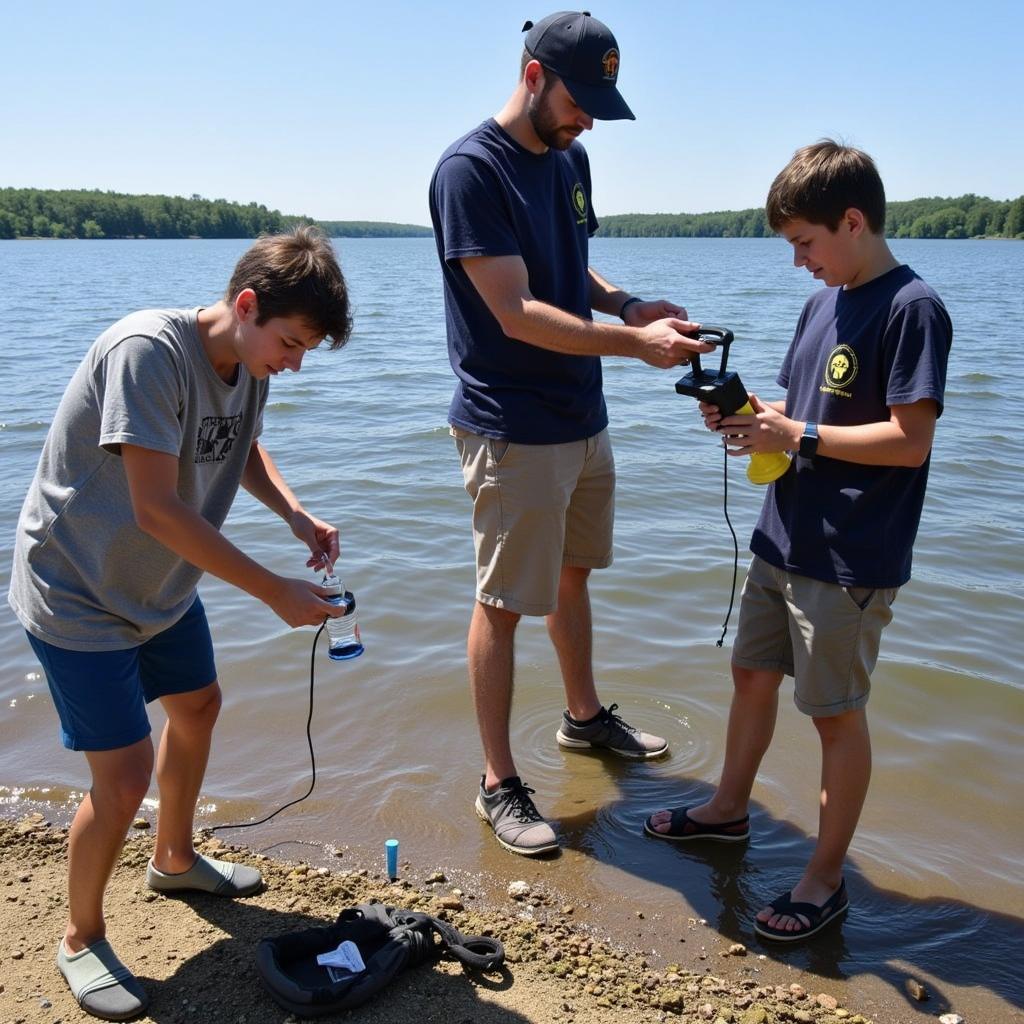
x: 510, y: 205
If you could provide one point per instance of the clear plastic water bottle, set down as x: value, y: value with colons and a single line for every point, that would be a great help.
x: 343, y: 631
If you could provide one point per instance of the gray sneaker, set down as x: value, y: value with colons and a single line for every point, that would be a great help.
x: 517, y: 823
x: 609, y: 732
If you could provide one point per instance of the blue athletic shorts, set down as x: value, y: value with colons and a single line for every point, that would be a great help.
x: 101, y: 696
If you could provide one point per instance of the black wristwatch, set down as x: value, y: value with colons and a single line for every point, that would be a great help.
x: 809, y: 440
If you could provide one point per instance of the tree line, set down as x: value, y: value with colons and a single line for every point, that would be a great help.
x: 968, y: 216
x: 364, y: 228
x: 83, y: 213
x: 80, y: 213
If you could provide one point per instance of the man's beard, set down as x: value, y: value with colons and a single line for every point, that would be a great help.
x: 544, y: 123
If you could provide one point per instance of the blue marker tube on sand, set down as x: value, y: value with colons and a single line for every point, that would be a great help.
x: 391, y: 853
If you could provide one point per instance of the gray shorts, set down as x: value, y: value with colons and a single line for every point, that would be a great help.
x: 823, y: 634
x: 536, y: 508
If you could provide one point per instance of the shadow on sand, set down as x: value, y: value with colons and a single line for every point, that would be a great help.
x: 221, y: 982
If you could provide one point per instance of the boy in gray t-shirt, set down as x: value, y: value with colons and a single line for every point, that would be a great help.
x: 157, y: 429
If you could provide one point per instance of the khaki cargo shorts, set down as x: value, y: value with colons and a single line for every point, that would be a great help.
x: 536, y: 508
x: 823, y: 634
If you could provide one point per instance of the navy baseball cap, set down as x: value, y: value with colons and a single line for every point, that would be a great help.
x: 582, y: 51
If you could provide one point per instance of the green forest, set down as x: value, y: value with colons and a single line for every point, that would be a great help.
x: 80, y: 213
x: 366, y: 228
x: 967, y: 216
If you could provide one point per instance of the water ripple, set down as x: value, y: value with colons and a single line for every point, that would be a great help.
x: 361, y: 436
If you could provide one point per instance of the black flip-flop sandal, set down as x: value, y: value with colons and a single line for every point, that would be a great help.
x: 817, y: 917
x: 682, y: 828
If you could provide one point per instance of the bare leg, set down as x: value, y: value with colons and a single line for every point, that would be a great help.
x: 845, y: 774
x: 490, y: 654
x: 180, y: 767
x: 120, y: 779
x: 755, y: 705
x: 571, y: 632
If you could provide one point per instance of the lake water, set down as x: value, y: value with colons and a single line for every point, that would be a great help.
x: 935, y: 869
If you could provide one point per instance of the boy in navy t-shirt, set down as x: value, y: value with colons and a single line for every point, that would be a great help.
x: 864, y: 379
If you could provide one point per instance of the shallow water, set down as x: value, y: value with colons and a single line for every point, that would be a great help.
x: 936, y: 865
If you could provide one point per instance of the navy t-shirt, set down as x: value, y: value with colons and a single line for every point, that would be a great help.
x: 491, y: 197
x: 855, y: 353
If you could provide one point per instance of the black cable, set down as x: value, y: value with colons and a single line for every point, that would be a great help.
x: 309, y: 741
x: 735, y: 543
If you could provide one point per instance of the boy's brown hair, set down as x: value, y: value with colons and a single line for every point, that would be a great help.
x: 296, y: 274
x: 822, y: 182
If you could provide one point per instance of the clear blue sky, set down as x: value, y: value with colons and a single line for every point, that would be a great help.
x: 339, y: 110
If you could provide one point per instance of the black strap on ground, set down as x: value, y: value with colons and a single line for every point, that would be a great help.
x: 389, y: 940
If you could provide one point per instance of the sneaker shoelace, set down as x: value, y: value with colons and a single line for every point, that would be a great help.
x: 616, y: 724
x: 516, y: 800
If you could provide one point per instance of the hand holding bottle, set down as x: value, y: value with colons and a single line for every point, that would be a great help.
x: 300, y: 602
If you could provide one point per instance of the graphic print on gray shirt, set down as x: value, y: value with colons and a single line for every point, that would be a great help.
x: 85, y: 577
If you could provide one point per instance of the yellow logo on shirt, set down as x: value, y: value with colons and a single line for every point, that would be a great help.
x: 840, y: 371
x: 579, y: 203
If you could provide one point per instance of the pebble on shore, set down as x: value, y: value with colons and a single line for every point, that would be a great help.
x: 536, y: 929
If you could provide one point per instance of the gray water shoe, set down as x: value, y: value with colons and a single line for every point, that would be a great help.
x: 102, y: 984
x: 517, y: 823
x: 607, y: 731
x: 219, y: 877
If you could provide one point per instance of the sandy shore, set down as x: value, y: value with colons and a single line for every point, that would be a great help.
x: 195, y: 955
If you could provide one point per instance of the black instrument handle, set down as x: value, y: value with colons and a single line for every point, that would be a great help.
x: 720, y: 337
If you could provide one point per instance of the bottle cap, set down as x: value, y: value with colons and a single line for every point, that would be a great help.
x: 332, y: 583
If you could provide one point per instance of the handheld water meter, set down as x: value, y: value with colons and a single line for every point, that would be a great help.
x: 726, y: 390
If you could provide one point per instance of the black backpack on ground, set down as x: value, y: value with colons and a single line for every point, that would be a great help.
x: 389, y: 941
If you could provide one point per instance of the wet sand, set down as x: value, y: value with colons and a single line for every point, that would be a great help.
x: 195, y: 955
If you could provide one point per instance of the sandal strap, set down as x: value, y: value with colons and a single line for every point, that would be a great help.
x: 680, y: 817
x: 785, y: 904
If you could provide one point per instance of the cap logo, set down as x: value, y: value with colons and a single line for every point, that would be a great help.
x: 610, y: 64
x: 579, y: 202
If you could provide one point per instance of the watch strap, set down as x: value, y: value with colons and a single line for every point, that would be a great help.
x: 809, y: 440
x: 628, y: 302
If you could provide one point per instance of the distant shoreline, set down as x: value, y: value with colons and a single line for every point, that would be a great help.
x: 189, y: 238
x: 723, y: 238
x: 94, y: 214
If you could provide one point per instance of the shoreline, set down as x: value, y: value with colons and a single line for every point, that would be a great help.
x: 195, y: 955
x: 390, y: 237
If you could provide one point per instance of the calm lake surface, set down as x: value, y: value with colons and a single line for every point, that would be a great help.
x: 935, y: 869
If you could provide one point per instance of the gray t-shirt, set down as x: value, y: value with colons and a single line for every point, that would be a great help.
x: 85, y: 577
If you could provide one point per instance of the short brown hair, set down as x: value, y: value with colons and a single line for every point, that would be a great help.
x: 822, y: 182
x: 296, y: 274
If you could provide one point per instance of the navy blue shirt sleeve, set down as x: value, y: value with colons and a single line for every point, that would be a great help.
x: 916, y: 344
x: 473, y: 217
x: 787, y: 362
